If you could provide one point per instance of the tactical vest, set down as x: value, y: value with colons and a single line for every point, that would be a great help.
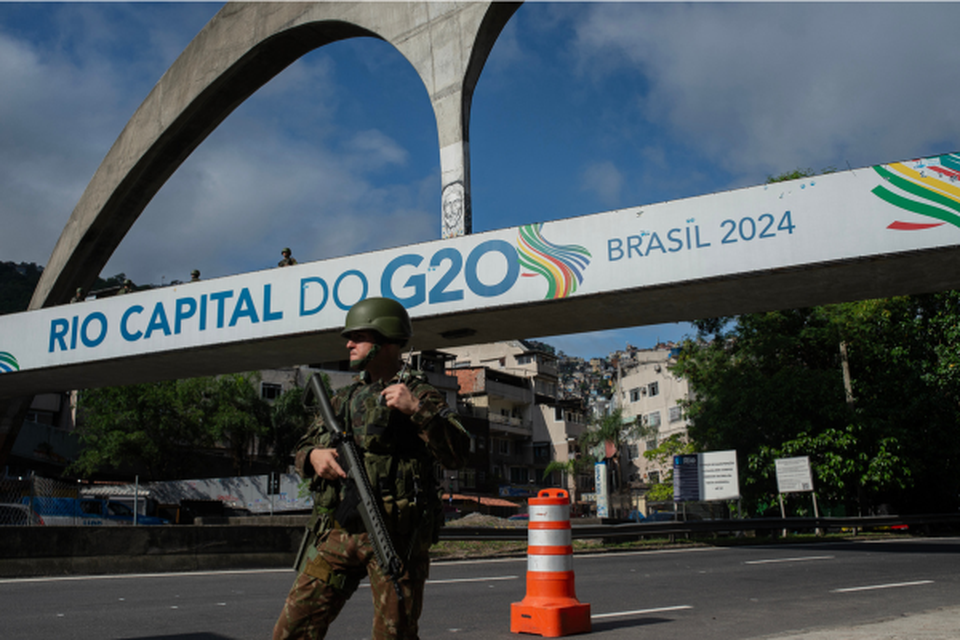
x: 397, y: 462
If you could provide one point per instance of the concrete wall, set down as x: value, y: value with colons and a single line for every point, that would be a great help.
x: 49, y: 551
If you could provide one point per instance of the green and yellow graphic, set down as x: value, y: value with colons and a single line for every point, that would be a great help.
x: 929, y: 187
x: 561, y: 265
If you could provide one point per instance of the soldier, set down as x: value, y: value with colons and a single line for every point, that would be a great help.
x: 195, y: 275
x: 287, y: 261
x: 126, y: 288
x: 402, y: 424
x: 78, y: 296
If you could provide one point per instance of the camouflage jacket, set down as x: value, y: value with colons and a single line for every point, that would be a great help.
x: 398, y: 451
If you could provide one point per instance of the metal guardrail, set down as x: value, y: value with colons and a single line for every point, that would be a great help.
x: 633, y: 530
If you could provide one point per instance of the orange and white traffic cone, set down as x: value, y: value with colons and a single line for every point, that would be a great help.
x: 550, y: 608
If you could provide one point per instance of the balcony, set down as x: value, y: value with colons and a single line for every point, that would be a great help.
x: 509, y: 424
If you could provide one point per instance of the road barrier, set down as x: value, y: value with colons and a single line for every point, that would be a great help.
x: 550, y: 608
x: 614, y: 530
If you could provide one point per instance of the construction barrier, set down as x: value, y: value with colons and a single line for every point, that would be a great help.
x: 550, y: 608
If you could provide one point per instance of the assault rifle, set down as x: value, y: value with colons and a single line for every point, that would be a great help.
x: 350, y: 458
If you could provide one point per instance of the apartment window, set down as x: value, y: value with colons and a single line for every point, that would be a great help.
x: 675, y: 414
x: 481, y: 443
x: 270, y: 391
x: 654, y: 477
x: 653, y: 389
x: 633, y: 451
x: 635, y: 395
x: 541, y: 452
x: 653, y: 419
x: 651, y: 444
x: 503, y: 447
x: 467, y: 479
x: 525, y: 359
x: 519, y: 475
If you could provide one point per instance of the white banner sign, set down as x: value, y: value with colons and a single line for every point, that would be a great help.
x: 718, y: 476
x: 793, y: 475
x: 602, y: 489
x: 881, y: 210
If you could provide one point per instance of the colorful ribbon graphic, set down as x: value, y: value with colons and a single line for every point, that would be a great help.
x: 561, y: 265
x: 8, y: 363
x: 929, y: 188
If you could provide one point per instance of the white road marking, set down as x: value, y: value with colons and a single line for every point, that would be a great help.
x: 638, y: 612
x: 892, y: 585
x: 797, y: 559
x: 366, y: 582
x: 490, y: 579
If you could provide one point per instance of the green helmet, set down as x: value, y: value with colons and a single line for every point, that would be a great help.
x: 384, y: 316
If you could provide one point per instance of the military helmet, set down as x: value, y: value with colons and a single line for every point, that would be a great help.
x: 384, y: 316
x: 286, y: 250
x: 195, y: 272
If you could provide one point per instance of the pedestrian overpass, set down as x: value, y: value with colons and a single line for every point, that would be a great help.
x: 871, y: 232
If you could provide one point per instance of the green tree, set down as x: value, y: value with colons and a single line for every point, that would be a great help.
x: 771, y: 385
x: 234, y: 415
x: 592, y: 443
x: 17, y: 282
x: 289, y: 421
x: 149, y: 424
x: 675, y: 445
x: 161, y: 425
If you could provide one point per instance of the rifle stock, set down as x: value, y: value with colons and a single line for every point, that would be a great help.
x: 350, y: 458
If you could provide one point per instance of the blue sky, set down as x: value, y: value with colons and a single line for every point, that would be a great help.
x: 581, y: 108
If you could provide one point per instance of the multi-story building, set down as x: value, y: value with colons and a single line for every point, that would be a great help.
x: 649, y: 390
x: 513, y: 386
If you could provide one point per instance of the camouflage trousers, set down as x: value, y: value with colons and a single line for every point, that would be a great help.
x: 331, y: 576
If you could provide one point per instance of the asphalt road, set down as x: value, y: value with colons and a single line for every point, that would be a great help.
x: 720, y: 593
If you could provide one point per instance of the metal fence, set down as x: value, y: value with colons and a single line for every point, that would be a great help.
x: 774, y: 526
x: 20, y: 500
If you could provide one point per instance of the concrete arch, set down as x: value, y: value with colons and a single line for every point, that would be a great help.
x: 236, y: 53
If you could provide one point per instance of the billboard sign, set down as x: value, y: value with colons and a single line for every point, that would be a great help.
x: 793, y: 475
x: 880, y: 211
x: 705, y: 476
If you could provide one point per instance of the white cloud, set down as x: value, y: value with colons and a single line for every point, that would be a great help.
x: 374, y: 149
x: 243, y: 196
x: 281, y: 170
x: 769, y: 87
x: 50, y: 144
x: 604, y: 179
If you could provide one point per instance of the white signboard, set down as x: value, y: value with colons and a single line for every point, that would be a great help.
x: 705, y: 476
x: 718, y: 476
x: 877, y: 211
x: 603, y: 492
x: 793, y: 475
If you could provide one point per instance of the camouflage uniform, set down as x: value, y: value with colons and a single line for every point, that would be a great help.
x: 399, y: 451
x: 288, y: 259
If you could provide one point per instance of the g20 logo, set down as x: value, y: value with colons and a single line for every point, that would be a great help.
x: 450, y: 264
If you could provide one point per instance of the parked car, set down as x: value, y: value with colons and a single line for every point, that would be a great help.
x: 19, y: 515
x: 520, y: 516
